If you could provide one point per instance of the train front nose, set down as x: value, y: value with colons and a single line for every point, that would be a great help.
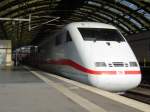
x: 115, y: 83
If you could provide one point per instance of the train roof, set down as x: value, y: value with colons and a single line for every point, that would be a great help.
x: 90, y: 25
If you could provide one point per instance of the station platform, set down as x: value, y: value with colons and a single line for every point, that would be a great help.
x: 23, y: 89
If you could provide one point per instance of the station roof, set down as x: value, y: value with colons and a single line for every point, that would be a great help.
x: 130, y: 16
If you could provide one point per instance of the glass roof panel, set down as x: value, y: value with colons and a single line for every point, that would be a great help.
x: 136, y: 23
x: 128, y: 15
x: 134, y: 7
x: 147, y: 15
x: 141, y: 11
x: 129, y: 4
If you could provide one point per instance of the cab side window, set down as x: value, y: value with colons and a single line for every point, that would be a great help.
x: 60, y: 39
x: 68, y: 37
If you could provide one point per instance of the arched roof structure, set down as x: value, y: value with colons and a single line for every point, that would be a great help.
x: 130, y: 16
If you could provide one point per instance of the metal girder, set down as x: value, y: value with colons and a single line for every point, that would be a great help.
x: 3, y: 29
x: 101, y: 19
x: 126, y: 11
x: 67, y: 7
x: 10, y: 4
x: 109, y: 13
x: 129, y: 21
x: 140, y: 4
x: 14, y: 19
x: 105, y: 12
x: 24, y: 7
x: 136, y: 16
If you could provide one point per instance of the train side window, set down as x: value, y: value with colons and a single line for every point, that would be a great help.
x: 68, y: 37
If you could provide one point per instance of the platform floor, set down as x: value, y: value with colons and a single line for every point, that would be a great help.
x: 23, y: 90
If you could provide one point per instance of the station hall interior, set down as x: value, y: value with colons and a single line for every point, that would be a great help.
x: 25, y: 24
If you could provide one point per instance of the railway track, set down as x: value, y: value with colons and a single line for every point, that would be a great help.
x: 145, y: 86
x: 141, y: 93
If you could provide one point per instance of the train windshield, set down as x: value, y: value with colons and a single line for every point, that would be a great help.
x: 100, y: 34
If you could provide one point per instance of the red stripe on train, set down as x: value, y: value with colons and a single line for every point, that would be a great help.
x: 86, y: 70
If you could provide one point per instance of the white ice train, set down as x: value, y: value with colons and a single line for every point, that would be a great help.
x: 93, y: 53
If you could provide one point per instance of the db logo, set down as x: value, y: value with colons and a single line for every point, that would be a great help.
x: 120, y: 72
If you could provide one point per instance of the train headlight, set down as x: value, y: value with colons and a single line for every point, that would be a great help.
x: 100, y: 64
x: 133, y: 64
